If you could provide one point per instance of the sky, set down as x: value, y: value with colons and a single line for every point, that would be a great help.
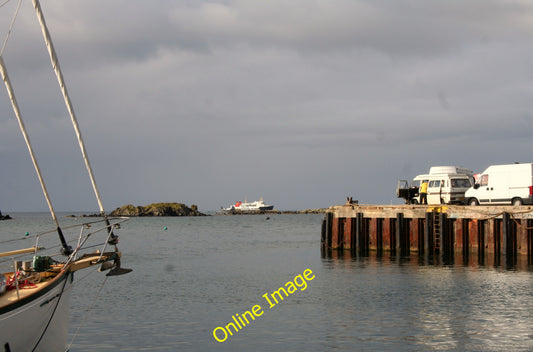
x: 300, y: 102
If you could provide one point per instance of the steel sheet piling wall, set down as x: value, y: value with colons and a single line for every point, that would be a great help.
x: 428, y: 239
x: 357, y: 233
x: 402, y: 235
x: 417, y: 235
x: 328, y: 226
x: 429, y: 232
x: 442, y: 248
x: 363, y: 227
x: 481, y: 238
x: 347, y: 238
x: 527, y: 238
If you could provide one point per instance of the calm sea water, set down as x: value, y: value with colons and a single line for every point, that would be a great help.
x: 191, y: 275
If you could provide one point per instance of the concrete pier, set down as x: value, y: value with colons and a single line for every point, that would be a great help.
x: 448, y: 231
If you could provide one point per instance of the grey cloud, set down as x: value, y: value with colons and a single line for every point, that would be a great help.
x: 301, y: 102
x: 394, y: 28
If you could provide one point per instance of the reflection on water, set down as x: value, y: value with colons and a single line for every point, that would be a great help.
x: 417, y: 303
x: 520, y: 262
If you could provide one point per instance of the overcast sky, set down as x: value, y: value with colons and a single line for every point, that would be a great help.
x: 301, y: 102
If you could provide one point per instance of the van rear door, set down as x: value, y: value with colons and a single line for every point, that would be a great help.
x: 458, y: 187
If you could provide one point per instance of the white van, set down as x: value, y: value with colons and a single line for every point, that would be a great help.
x: 503, y: 184
x: 446, y: 185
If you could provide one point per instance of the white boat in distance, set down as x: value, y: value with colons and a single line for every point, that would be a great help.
x: 253, y: 206
x: 36, y: 281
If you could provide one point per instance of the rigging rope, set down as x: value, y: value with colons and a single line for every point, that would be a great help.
x: 11, y: 26
x: 87, y: 313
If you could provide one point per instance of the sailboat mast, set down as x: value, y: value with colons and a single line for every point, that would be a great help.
x: 66, y: 248
x: 70, y: 108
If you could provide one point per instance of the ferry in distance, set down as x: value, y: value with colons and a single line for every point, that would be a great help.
x: 253, y: 206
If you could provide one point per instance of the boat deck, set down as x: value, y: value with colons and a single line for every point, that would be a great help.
x: 25, y: 288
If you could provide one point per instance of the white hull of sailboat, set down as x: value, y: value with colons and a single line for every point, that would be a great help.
x: 39, y: 321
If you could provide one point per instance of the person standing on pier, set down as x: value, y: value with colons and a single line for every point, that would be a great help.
x: 424, y: 192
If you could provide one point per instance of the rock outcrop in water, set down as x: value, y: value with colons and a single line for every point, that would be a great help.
x: 4, y: 217
x: 157, y: 209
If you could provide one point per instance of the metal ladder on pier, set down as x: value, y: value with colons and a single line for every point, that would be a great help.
x: 436, y: 229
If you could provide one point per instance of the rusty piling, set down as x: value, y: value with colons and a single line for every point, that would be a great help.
x: 495, y: 234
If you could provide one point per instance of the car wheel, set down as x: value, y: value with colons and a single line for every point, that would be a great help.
x: 473, y: 201
x: 517, y: 202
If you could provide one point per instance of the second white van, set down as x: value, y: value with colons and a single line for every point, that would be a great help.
x: 503, y: 184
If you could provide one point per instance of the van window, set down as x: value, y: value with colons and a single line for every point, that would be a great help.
x: 434, y: 183
x: 460, y: 182
x: 484, y: 180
